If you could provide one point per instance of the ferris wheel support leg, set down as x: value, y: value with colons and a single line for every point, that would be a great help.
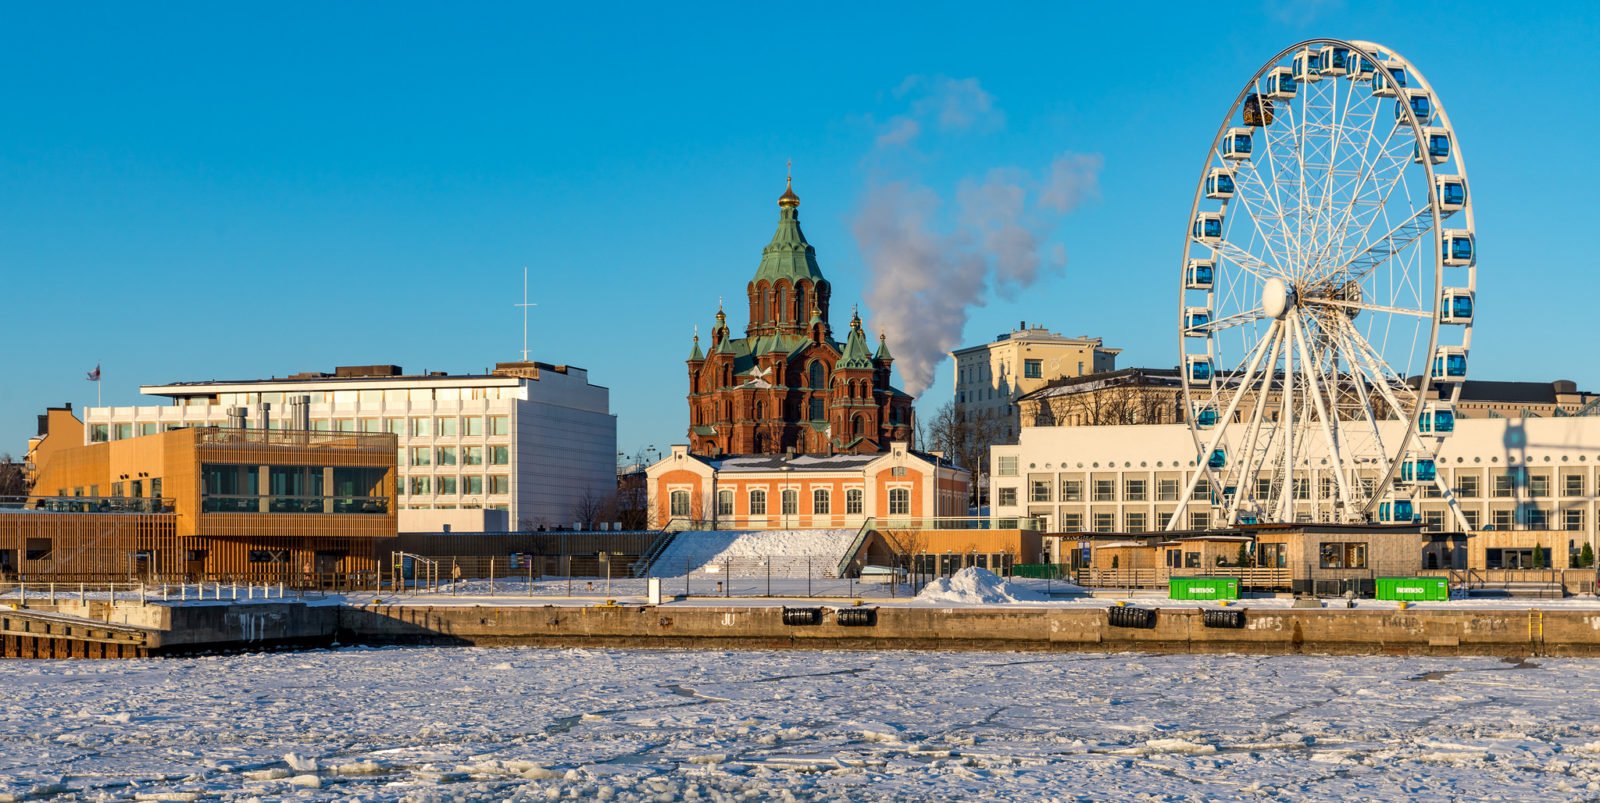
x: 1258, y: 416
x: 1261, y: 349
x: 1329, y: 426
x: 1287, y: 416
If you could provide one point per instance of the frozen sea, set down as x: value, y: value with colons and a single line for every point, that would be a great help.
x: 544, y: 724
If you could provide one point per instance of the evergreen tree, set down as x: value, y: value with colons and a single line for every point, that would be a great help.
x: 1538, y: 557
x: 1586, y: 556
x: 1244, y: 556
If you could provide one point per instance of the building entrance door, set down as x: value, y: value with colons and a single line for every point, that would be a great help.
x: 8, y: 562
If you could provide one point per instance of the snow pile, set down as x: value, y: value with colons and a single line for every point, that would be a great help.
x: 791, y: 552
x: 975, y: 586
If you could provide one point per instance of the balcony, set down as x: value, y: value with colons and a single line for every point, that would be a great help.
x: 318, y: 505
x: 86, y: 504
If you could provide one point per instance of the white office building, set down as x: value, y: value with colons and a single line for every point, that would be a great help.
x: 524, y: 445
x: 1509, y: 474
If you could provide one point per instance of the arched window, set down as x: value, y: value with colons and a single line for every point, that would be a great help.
x: 899, y: 501
x: 790, y: 501
x: 818, y: 376
x: 821, y: 504
x: 758, y: 503
x: 783, y: 302
x: 858, y: 425
x: 724, y: 502
x: 816, y: 408
x: 680, y: 503
x: 759, y: 410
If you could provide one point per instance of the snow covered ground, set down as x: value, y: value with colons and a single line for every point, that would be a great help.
x: 791, y: 553
x: 530, y: 724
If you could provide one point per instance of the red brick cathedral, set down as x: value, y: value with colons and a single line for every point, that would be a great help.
x: 787, y: 384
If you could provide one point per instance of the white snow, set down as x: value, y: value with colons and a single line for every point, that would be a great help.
x: 975, y: 586
x: 791, y: 553
x: 451, y: 724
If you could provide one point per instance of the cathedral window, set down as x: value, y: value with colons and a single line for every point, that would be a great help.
x: 818, y: 376
x: 857, y: 425
x: 816, y: 408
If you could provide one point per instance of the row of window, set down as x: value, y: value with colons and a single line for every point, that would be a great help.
x: 1168, y: 490
x: 454, y: 455
x: 391, y: 395
x: 1527, y: 518
x: 470, y: 484
x: 430, y: 426
x: 789, y: 502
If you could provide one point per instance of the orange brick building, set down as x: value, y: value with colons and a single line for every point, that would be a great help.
x: 692, y: 491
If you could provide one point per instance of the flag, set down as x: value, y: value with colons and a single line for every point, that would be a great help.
x: 94, y: 376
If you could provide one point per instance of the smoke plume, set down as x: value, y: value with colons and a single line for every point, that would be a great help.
x: 928, y: 268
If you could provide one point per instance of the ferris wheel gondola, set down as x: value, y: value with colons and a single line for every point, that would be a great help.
x: 1325, y: 311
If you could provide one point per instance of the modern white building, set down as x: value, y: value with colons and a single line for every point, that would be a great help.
x: 1509, y: 475
x: 531, y: 439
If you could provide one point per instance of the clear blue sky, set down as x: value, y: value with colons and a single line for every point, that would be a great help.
x: 194, y: 191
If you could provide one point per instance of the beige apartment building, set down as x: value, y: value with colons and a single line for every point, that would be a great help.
x: 990, y: 378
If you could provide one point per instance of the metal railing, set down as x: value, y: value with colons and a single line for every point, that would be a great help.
x: 87, y: 504
x: 252, y: 503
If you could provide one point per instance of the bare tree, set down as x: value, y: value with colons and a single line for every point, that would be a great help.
x: 587, y: 509
x: 13, y: 480
x: 964, y: 439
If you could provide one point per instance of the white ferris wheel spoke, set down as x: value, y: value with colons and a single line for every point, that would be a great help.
x: 1356, y: 305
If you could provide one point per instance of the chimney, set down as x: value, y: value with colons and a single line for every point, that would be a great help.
x: 266, y: 415
x: 236, y: 417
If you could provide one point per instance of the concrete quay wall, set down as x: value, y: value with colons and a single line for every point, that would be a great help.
x: 1512, y: 632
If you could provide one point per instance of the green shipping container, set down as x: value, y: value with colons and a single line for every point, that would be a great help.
x: 1414, y: 589
x: 1203, y: 588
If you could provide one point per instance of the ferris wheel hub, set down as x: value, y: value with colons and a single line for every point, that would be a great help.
x: 1277, y: 298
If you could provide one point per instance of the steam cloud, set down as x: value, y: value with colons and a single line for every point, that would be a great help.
x: 927, y: 271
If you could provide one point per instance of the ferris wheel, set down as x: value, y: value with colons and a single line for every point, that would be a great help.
x: 1327, y: 294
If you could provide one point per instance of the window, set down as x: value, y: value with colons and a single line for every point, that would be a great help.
x: 1135, y: 522
x: 1008, y: 466
x: 472, y: 484
x: 499, y: 425
x: 758, y: 503
x: 897, y: 471
x: 97, y: 433
x: 1502, y: 519
x: 1201, y: 490
x: 1433, y: 519
x: 1072, y: 490
x: 421, y: 427
x: 817, y: 413
x: 1472, y: 518
x: 1264, y: 488
x: 38, y: 549
x: 269, y: 556
x: 1572, y: 519
x: 499, y: 484
x: 124, y: 431
x: 724, y: 502
x: 421, y: 456
x: 1199, y: 520
x: 1344, y: 555
x: 1071, y: 521
x: 1105, y: 522
x: 1033, y: 369
x: 680, y: 503
x: 447, y: 485
x: 1105, y: 490
x: 899, y: 501
x: 447, y: 455
x: 1536, y: 518
x: 1572, y: 484
x: 420, y: 486
x: 1272, y: 556
x: 1039, y: 491
x: 394, y: 426
x: 446, y: 427
x: 472, y: 455
x: 147, y: 429
x: 820, y: 502
x: 371, y: 425
x: 1134, y: 490
x: 1467, y: 486
x: 346, y: 425
x: 499, y: 455
x: 1006, y: 497
x: 472, y: 426
x: 1191, y: 560
x: 1166, y: 490
x: 818, y: 379
x: 1539, y: 485
x: 853, y: 502
x: 789, y: 502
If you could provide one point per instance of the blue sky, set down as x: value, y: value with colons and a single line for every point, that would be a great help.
x: 196, y: 191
